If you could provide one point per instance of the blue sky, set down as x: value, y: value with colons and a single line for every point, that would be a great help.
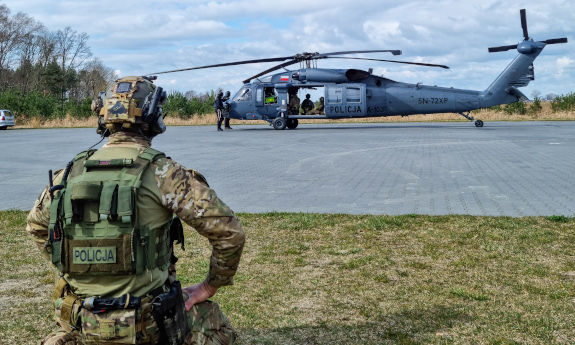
x: 137, y: 37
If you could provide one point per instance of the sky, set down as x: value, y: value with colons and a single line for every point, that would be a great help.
x: 139, y: 37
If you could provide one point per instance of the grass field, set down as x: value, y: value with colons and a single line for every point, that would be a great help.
x: 343, y: 279
x: 545, y: 114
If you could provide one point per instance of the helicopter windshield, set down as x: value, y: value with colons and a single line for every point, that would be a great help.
x: 244, y: 95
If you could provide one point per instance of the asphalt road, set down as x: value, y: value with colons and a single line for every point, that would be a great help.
x: 504, y: 168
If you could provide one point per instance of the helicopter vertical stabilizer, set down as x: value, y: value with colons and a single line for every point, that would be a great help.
x: 519, y: 73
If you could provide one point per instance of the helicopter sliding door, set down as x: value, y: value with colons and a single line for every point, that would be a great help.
x: 345, y: 100
x: 266, y: 100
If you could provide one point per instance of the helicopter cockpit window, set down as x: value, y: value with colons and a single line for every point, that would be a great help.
x: 245, y: 95
x: 123, y: 87
x: 352, y: 95
x: 334, y: 94
x: 271, y: 96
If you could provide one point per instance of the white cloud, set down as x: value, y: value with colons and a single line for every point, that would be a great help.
x: 563, y: 63
x: 158, y: 35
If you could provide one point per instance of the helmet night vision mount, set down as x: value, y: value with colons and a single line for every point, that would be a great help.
x: 132, y: 104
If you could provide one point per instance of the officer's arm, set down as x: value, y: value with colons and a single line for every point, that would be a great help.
x: 188, y: 195
x: 38, y: 220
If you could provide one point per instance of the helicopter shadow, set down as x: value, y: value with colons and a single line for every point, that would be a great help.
x: 373, y: 126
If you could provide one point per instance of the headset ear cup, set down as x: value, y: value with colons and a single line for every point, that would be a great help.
x: 102, y: 129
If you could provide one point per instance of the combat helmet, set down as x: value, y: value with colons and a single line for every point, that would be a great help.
x: 131, y: 104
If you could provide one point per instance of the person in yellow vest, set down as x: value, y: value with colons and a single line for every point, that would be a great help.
x: 107, y: 224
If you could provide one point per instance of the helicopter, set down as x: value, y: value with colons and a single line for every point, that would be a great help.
x: 354, y: 93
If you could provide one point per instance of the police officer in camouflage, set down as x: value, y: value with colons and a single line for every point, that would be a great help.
x: 293, y: 105
x: 107, y: 223
x: 320, y: 110
x: 307, y: 105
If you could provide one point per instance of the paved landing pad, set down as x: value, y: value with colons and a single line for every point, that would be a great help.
x: 504, y: 168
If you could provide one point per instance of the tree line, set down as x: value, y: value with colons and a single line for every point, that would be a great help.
x: 46, y: 73
x: 51, y: 74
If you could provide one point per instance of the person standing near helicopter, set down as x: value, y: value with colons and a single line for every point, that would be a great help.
x: 219, y: 107
x: 226, y: 110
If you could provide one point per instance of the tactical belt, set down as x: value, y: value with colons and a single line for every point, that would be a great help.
x: 98, y: 305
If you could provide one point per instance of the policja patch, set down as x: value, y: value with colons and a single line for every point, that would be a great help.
x: 94, y: 255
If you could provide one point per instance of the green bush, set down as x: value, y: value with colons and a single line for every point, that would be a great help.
x: 535, y: 107
x: 179, y: 105
x: 563, y: 103
x: 515, y: 108
x: 29, y: 104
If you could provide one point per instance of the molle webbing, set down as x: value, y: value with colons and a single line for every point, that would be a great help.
x: 98, y: 215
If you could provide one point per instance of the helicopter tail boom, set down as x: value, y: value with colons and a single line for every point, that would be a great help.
x: 518, y: 74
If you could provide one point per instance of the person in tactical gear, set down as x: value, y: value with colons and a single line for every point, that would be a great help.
x: 219, y: 106
x: 226, y: 110
x: 307, y: 105
x: 320, y: 108
x: 107, y: 223
x: 293, y: 105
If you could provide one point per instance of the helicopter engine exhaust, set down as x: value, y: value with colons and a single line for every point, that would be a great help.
x: 330, y: 76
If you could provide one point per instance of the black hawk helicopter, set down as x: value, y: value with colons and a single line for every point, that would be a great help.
x: 353, y: 93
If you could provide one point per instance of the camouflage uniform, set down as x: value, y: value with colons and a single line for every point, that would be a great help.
x: 293, y: 106
x: 307, y: 105
x: 320, y: 108
x: 174, y: 190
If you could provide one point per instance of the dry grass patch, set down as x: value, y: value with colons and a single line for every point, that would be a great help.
x: 210, y: 119
x: 346, y: 279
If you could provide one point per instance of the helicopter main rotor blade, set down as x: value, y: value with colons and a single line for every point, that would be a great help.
x: 287, y: 63
x: 403, y: 62
x: 524, y: 24
x: 227, y: 64
x: 323, y: 55
x: 502, y: 48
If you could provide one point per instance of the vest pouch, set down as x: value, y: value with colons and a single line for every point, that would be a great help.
x: 71, y: 320
x: 114, y: 326
x: 85, y: 199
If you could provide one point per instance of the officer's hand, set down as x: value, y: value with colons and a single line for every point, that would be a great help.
x: 198, y: 293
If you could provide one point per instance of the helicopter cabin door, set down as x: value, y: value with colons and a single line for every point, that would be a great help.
x: 266, y: 100
x: 345, y: 100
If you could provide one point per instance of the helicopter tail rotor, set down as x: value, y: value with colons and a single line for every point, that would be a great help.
x: 526, y: 48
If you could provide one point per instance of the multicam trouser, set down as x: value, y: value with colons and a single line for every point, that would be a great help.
x: 207, y: 323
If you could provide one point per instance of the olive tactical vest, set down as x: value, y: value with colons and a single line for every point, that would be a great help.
x: 94, y: 226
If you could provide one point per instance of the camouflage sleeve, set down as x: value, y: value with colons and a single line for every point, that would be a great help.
x: 188, y: 195
x: 38, y: 220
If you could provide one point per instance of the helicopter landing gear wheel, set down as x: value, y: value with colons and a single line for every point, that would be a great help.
x: 279, y: 123
x: 478, y: 123
x: 292, y: 123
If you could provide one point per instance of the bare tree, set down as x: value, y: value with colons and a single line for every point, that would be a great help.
x: 191, y: 95
x: 72, y: 51
x: 92, y: 78
x: 14, y: 32
x: 536, y: 94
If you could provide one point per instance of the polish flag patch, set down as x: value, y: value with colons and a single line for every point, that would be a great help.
x: 284, y: 78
